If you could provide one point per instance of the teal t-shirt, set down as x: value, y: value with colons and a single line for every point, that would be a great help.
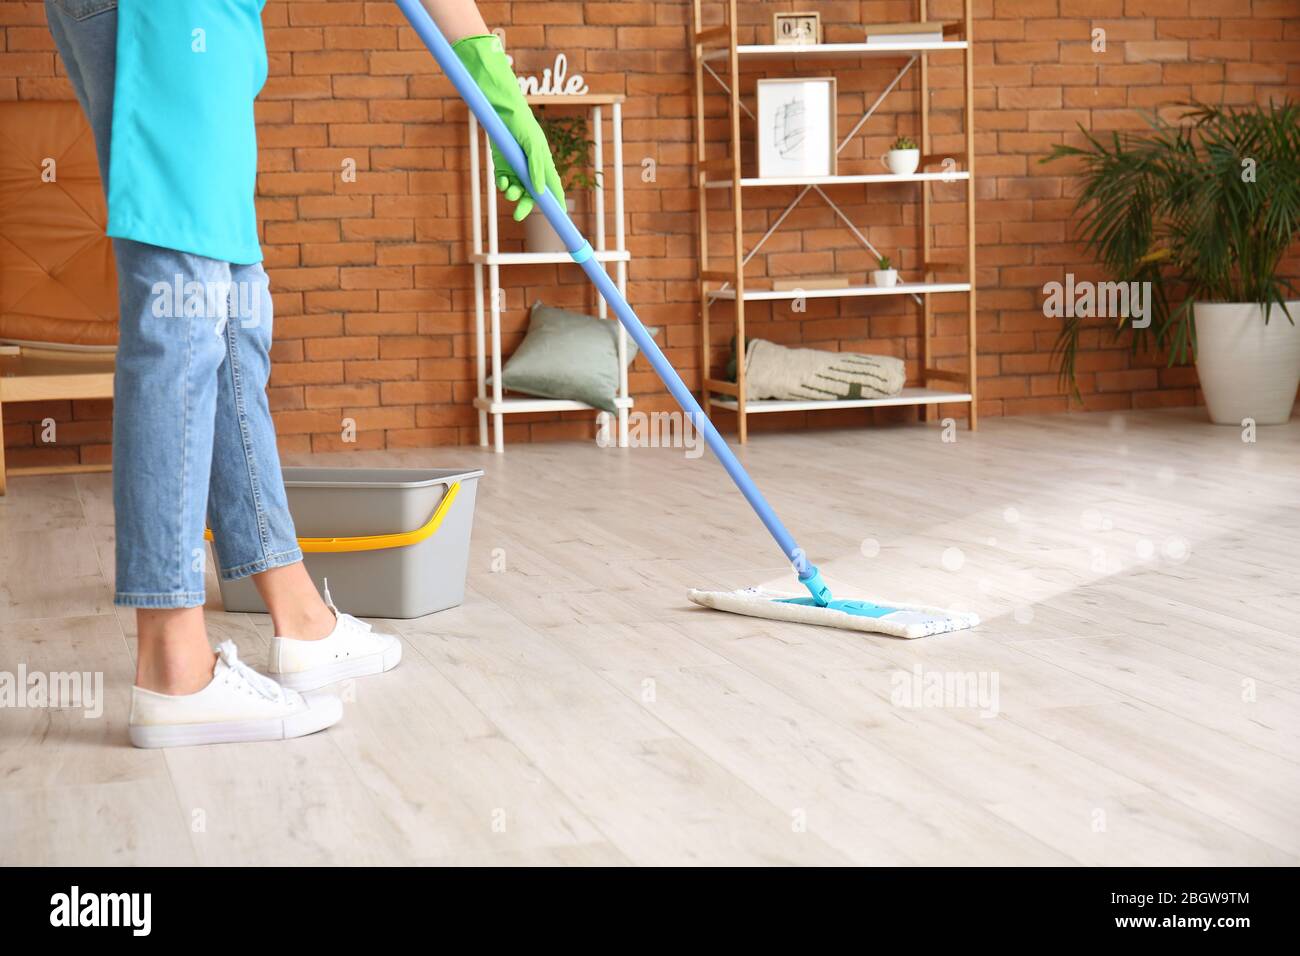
x: 183, y: 165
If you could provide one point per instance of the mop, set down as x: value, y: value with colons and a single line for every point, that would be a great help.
x: 818, y: 606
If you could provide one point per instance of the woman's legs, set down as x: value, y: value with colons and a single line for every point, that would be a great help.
x: 296, y: 607
x: 164, y: 412
x: 247, y: 509
x: 172, y: 651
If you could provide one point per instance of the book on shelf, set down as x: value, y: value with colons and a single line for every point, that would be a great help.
x: 916, y: 32
x: 790, y: 283
x: 807, y: 283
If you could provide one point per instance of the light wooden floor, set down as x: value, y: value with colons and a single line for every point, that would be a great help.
x: 1136, y: 573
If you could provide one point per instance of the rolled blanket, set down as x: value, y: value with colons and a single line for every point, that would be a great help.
x: 774, y: 371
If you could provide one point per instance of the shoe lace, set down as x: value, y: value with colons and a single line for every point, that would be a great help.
x: 260, y: 683
x: 347, y: 619
x: 354, y: 623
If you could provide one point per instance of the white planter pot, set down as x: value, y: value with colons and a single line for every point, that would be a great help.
x: 884, y: 278
x: 902, y: 162
x: 1248, y: 369
x: 538, y: 234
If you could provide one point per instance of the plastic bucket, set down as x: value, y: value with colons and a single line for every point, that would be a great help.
x: 394, y: 542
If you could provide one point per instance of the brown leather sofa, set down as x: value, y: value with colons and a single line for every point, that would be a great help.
x: 58, y: 283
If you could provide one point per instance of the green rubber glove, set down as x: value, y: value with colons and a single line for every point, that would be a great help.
x: 487, y: 64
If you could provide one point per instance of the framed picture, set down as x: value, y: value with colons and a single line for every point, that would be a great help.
x: 792, y: 28
x: 796, y: 127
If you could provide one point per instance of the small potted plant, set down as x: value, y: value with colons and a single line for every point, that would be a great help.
x: 886, y: 277
x: 1202, y: 211
x: 571, y: 151
x: 903, y: 158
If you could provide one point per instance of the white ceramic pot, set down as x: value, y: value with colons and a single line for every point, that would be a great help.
x: 902, y: 162
x: 1248, y: 368
x: 538, y: 234
x: 884, y: 278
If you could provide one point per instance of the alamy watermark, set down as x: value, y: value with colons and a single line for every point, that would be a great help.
x: 653, y: 430
x: 973, y: 690
x: 78, y: 690
x: 1086, y: 300
x: 75, y: 908
x: 220, y: 301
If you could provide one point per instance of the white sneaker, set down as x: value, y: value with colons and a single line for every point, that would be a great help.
x: 238, y: 705
x: 352, y: 649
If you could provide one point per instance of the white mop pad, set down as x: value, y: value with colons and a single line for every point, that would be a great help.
x: 881, y: 617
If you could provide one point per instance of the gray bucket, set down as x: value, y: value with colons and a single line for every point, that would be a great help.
x: 379, y: 579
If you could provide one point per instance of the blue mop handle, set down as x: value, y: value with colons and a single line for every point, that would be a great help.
x: 580, y: 249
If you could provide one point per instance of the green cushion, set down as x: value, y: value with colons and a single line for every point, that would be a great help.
x: 568, y: 355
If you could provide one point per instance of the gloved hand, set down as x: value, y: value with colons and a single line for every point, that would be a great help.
x: 487, y: 64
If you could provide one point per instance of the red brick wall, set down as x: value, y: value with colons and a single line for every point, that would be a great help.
x: 373, y: 300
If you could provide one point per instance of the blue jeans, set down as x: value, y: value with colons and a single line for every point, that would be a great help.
x: 192, y: 430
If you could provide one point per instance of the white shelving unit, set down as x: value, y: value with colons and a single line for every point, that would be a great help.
x: 488, y: 260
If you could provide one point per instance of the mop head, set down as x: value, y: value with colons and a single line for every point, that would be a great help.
x: 896, y: 620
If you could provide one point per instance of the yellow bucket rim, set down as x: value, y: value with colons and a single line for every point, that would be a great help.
x: 377, y: 542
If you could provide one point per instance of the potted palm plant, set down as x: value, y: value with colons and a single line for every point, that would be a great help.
x: 1204, y: 209
x: 571, y: 151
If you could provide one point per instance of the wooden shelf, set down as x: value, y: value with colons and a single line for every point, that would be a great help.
x: 847, y: 292
x: 913, y: 395
x: 36, y: 375
x: 832, y: 51
x: 774, y: 181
